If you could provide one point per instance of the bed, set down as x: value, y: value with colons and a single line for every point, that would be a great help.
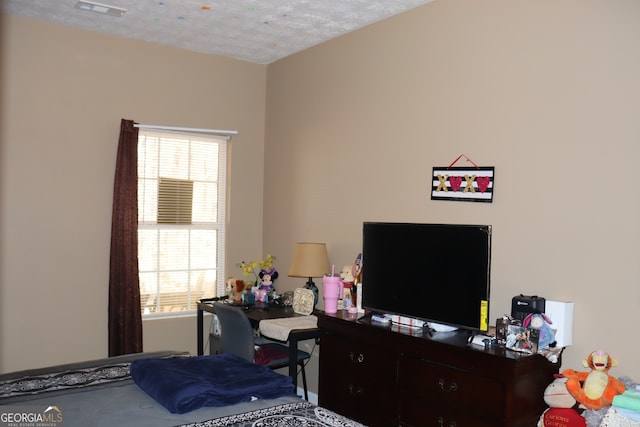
x: 118, y: 391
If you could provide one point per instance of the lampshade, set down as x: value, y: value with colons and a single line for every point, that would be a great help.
x: 310, y: 260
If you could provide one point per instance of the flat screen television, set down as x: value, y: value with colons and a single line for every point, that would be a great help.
x: 439, y: 273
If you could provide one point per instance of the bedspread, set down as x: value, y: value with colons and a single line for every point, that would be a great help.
x: 100, y: 393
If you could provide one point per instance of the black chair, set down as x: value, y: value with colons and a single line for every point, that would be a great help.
x: 237, y: 336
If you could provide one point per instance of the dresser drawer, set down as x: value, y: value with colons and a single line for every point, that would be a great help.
x: 358, y: 379
x: 359, y: 358
x: 450, y: 387
x: 361, y: 397
x: 418, y: 413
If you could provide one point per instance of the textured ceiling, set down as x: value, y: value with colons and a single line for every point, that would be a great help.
x: 260, y: 31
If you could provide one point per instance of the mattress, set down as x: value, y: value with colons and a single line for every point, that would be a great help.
x: 102, y: 393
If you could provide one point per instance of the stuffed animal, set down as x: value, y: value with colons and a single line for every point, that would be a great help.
x: 561, y: 412
x: 541, y: 322
x: 234, y: 288
x: 347, y: 281
x: 267, y: 279
x: 594, y: 389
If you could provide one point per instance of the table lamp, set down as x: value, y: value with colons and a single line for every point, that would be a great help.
x: 310, y: 260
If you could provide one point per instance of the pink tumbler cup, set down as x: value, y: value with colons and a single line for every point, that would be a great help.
x: 331, y: 286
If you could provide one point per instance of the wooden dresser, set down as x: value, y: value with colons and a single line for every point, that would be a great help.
x: 389, y: 376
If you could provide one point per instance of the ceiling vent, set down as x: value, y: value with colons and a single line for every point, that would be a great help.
x: 100, y: 8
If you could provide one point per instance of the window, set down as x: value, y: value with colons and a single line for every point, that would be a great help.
x: 181, y: 194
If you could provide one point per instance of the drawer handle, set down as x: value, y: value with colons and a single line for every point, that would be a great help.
x: 448, y: 388
x: 441, y: 422
x: 353, y: 391
x: 358, y: 359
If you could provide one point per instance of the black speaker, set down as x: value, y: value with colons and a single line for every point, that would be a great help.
x: 523, y: 305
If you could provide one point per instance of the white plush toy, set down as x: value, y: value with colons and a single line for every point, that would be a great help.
x: 347, y: 280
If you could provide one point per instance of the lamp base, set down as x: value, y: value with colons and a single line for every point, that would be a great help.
x: 312, y: 286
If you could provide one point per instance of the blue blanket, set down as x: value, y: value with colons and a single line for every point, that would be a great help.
x: 184, y: 384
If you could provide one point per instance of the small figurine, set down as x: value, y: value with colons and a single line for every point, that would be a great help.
x: 356, y: 270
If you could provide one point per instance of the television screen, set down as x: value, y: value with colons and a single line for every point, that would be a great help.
x: 434, y: 272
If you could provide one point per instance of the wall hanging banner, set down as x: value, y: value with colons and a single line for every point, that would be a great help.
x: 463, y: 183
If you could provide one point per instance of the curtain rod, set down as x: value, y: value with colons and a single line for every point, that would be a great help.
x: 196, y: 130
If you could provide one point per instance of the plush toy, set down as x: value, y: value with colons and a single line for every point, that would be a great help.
x: 561, y: 412
x: 541, y: 322
x: 594, y: 389
x: 267, y: 278
x: 234, y: 288
x: 347, y: 281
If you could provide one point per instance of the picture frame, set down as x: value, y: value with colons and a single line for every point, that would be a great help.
x: 521, y: 339
x: 475, y: 184
x: 303, y: 301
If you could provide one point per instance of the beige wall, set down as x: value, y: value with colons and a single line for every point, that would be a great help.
x: 545, y: 91
x: 64, y: 92
x: 548, y: 92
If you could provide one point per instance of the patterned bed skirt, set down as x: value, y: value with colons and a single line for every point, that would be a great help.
x: 300, y: 414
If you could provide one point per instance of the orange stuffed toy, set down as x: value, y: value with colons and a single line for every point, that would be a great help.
x: 594, y: 389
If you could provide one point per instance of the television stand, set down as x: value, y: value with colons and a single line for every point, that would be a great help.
x: 390, y: 375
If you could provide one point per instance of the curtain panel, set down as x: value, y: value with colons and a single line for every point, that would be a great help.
x: 125, y: 318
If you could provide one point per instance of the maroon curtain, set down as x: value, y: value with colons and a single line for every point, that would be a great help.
x: 125, y: 319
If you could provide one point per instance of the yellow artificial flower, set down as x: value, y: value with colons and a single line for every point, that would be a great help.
x: 249, y: 268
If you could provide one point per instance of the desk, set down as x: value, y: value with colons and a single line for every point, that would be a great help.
x: 255, y: 314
